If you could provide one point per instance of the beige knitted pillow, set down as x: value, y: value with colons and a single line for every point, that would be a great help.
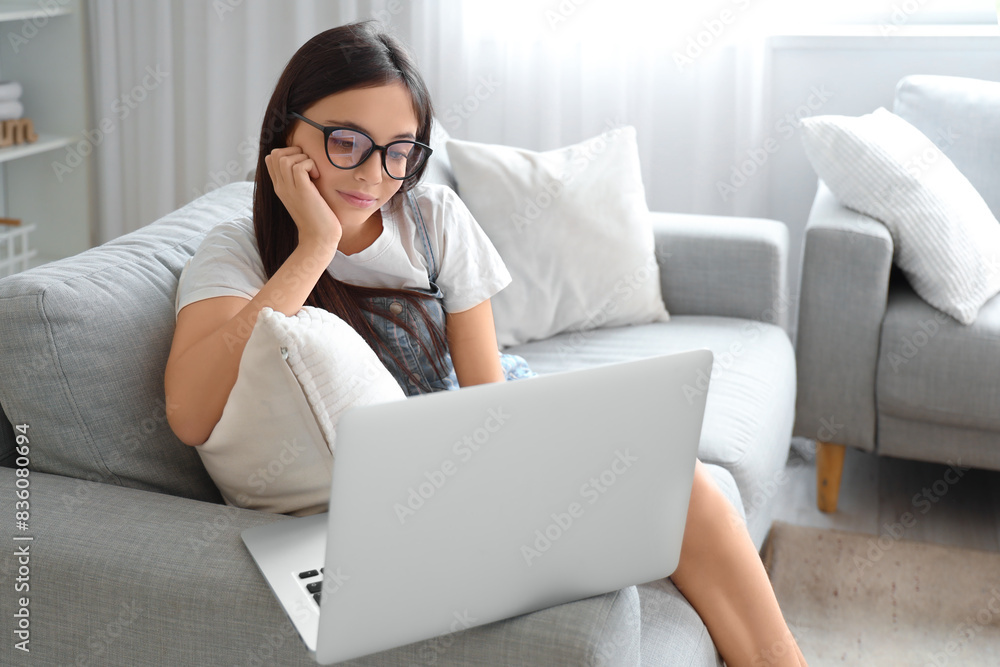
x: 273, y: 449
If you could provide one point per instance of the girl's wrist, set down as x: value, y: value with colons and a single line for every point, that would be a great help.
x: 319, y: 246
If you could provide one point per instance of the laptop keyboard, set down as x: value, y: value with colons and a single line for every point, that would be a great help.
x: 313, y: 579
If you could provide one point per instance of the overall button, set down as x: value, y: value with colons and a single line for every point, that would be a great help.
x: 395, y: 308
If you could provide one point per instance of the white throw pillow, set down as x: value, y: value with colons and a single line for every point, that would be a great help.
x: 946, y: 240
x: 574, y: 230
x: 438, y: 168
x: 273, y: 448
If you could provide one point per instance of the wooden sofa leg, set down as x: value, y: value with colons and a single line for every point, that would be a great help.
x: 829, y: 467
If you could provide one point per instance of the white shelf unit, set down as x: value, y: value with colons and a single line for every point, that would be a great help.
x: 25, y: 11
x: 45, y: 142
x: 45, y: 49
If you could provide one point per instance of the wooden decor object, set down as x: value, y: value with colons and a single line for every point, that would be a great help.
x: 17, y: 131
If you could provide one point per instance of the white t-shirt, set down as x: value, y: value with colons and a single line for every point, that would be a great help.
x: 470, y: 270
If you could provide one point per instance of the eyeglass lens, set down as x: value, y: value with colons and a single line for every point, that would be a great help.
x: 347, y: 149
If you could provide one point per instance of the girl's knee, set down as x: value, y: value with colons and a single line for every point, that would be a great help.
x: 708, y: 503
x: 704, y: 484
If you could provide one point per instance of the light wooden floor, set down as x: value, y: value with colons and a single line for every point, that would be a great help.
x: 876, y: 491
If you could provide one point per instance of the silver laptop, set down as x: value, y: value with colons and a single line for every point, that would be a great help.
x: 459, y: 508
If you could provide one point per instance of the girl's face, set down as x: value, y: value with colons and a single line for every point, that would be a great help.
x: 385, y: 113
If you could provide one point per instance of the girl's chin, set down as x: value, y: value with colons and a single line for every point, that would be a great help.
x: 354, y: 217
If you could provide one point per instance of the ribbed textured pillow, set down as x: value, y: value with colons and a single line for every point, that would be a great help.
x: 273, y: 448
x: 946, y: 240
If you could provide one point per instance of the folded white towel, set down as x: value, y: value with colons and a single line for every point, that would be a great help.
x: 10, y: 90
x: 10, y: 110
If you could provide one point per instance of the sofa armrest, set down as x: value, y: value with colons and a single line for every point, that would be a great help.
x: 726, y: 266
x: 845, y: 280
x: 124, y: 576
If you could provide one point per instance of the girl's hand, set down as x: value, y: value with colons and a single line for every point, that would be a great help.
x: 293, y: 172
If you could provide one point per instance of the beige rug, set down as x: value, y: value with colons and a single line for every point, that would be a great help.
x: 856, y: 599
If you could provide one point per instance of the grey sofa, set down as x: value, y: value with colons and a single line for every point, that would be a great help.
x: 136, y: 561
x: 879, y: 369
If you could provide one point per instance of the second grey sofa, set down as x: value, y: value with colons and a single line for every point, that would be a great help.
x: 880, y: 369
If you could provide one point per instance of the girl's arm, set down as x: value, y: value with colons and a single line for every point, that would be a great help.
x: 211, y: 334
x: 210, y: 337
x: 472, y: 341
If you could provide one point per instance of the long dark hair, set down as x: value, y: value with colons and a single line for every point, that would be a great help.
x: 357, y: 55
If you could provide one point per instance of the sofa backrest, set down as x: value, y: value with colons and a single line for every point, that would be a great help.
x: 84, y: 343
x: 962, y: 117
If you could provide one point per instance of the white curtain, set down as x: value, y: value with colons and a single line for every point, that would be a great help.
x: 186, y: 83
x: 545, y: 75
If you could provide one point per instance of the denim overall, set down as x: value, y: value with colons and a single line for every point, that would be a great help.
x: 408, y: 349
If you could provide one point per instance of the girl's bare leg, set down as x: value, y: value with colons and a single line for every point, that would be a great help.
x: 721, y: 575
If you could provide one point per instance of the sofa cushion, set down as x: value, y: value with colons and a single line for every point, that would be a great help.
x: 83, y: 346
x: 960, y: 116
x: 933, y: 369
x: 751, y: 391
x: 672, y: 631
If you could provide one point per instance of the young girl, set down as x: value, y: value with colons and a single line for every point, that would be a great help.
x: 340, y: 223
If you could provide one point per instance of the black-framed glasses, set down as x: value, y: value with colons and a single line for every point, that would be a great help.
x: 347, y: 148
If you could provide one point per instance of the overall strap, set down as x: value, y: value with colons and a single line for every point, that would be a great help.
x: 423, y: 235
